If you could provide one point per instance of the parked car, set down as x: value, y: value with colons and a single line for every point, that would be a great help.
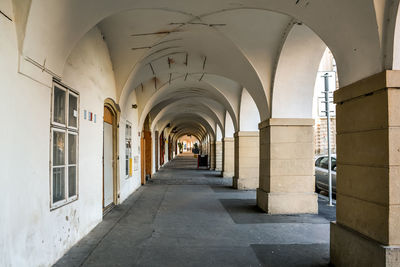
x: 321, y: 173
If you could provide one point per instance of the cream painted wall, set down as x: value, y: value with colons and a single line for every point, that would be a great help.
x: 32, y: 235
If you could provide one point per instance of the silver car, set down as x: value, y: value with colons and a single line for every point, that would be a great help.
x: 321, y: 174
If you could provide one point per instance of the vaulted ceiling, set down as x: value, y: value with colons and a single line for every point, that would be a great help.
x: 189, y: 61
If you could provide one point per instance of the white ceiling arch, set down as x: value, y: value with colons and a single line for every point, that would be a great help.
x: 208, y: 105
x: 171, y: 112
x: 355, y: 30
x: 240, y: 42
x: 193, y: 89
x: 186, y: 131
x: 186, y: 55
x: 190, y: 123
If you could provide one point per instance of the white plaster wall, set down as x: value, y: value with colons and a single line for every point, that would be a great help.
x: 218, y: 134
x: 24, y: 157
x: 31, y: 234
x: 129, y: 184
x: 249, y: 117
x: 229, y: 129
x: 295, y: 75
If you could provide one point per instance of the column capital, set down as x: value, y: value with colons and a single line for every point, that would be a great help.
x: 246, y: 133
x: 369, y: 85
x: 285, y: 122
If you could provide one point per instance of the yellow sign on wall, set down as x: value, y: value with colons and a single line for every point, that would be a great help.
x: 130, y: 167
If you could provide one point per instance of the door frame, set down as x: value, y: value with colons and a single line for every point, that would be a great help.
x: 115, y: 111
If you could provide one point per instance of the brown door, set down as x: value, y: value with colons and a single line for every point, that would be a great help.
x: 143, y: 159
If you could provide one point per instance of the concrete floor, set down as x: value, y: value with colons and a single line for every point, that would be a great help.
x: 189, y: 217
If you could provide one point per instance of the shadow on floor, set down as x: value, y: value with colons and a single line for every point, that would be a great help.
x: 213, y: 174
x: 245, y: 211
x: 299, y: 255
x: 228, y: 188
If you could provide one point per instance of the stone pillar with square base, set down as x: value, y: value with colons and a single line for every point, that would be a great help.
x: 212, y: 155
x: 218, y: 156
x: 228, y: 165
x: 367, y: 230
x: 287, y: 180
x: 247, y: 152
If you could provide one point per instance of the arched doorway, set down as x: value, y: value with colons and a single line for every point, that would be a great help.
x: 110, y: 155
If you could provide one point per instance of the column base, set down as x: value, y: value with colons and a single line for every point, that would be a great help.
x: 245, y: 183
x: 287, y: 203
x: 227, y: 174
x: 350, y: 248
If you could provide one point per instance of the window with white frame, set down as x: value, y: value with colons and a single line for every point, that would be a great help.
x: 64, y: 146
x: 128, y: 150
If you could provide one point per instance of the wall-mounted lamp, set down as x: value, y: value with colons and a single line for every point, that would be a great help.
x: 134, y: 106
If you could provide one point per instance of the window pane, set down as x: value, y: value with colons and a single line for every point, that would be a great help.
x: 127, y: 165
x: 58, y: 148
x: 73, y: 111
x: 59, y: 105
x: 128, y: 155
x: 317, y: 162
x: 71, y: 181
x: 72, y: 145
x: 333, y: 163
x: 58, y: 184
x: 128, y: 131
x: 324, y: 163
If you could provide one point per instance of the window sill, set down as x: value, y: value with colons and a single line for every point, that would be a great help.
x: 60, y: 205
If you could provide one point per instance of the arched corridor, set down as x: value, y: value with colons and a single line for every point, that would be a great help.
x: 103, y: 103
x: 191, y: 217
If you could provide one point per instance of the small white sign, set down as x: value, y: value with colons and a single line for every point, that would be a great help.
x: 75, y: 113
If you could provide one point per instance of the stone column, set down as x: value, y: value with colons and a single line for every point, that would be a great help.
x: 287, y: 176
x: 228, y: 165
x: 218, y: 156
x: 367, y: 230
x: 247, y: 153
x: 212, y: 154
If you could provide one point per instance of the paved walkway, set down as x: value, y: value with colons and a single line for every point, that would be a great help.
x: 189, y: 217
